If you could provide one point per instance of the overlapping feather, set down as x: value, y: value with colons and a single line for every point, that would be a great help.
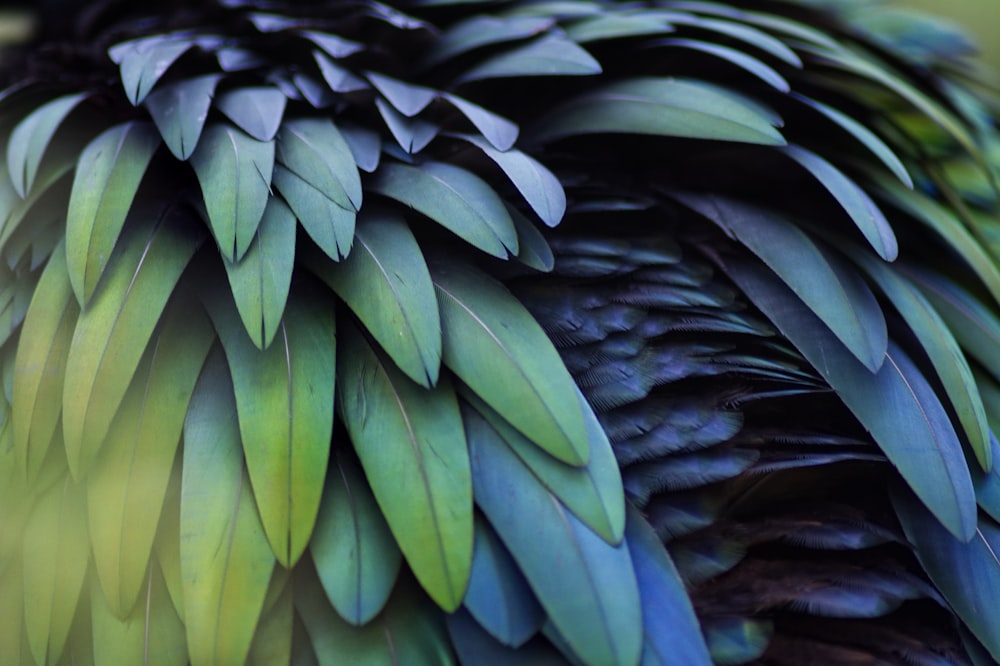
x: 325, y: 195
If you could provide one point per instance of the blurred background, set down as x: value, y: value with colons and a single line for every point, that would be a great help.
x: 980, y: 17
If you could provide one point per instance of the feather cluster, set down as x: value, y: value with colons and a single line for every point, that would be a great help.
x: 500, y: 332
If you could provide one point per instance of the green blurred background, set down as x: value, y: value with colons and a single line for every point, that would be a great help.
x: 980, y: 17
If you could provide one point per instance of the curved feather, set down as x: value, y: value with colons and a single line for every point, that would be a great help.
x: 30, y: 140
x: 672, y: 633
x: 943, y: 351
x: 846, y: 307
x: 143, y: 61
x: 884, y: 76
x: 339, y: 79
x: 180, y: 110
x: 257, y: 110
x: 987, y: 483
x: 593, y: 492
x: 475, y: 646
x: 587, y: 587
x: 617, y: 26
x: 46, y: 200
x: 334, y: 45
x: 453, y: 197
x: 167, y: 547
x: 498, y: 131
x: 412, y: 134
x: 494, y: 345
x: 45, y: 342
x: 128, y: 483
x: 967, y: 572
x: 539, y: 187
x: 55, y: 551
x: 975, y: 327
x: 413, y: 451
x: 385, y: 281
x: 16, y: 651
x: 405, y: 634
x: 865, y: 136
x: 738, y: 28
x: 498, y: 596
x: 533, y: 249
x: 316, y: 151
x: 479, y: 31
x: 737, y: 58
x: 320, y: 181
x: 260, y: 281
x: 406, y: 98
x: 792, y: 31
x: 226, y: 561
x: 234, y: 171
x: 546, y: 56
x: 896, y: 404
x: 858, y: 205
x: 107, y: 177
x: 112, y: 333
x: 365, y: 145
x: 949, y: 228
x: 285, y: 397
x: 151, y: 630
x: 272, y: 642
x: 352, y: 547
x: 660, y: 107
